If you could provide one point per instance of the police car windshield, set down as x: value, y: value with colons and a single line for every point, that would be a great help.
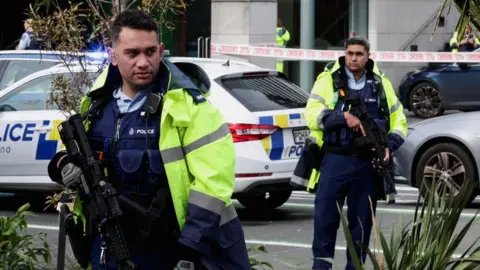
x: 266, y: 93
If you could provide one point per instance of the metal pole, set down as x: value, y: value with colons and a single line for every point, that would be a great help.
x: 61, y: 234
x: 307, y: 41
x: 351, y: 18
x: 207, y: 47
x: 199, y: 47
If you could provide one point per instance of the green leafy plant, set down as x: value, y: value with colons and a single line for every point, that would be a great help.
x: 256, y: 264
x: 427, y: 242
x: 18, y: 250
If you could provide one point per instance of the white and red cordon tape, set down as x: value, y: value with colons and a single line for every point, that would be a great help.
x: 270, y: 50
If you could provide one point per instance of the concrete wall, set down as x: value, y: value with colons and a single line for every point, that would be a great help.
x: 245, y: 22
x: 393, y: 23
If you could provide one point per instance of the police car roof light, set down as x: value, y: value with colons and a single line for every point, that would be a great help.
x: 97, y: 56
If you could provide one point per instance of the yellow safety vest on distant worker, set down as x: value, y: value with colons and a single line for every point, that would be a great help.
x: 283, y: 36
x: 454, y: 42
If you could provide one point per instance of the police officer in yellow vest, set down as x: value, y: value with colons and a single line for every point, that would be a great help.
x: 178, y: 159
x: 468, y: 43
x: 283, y: 36
x: 343, y: 172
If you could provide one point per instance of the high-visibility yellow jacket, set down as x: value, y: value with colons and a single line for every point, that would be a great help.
x: 199, y: 158
x: 283, y: 36
x: 323, y: 98
x: 454, y: 42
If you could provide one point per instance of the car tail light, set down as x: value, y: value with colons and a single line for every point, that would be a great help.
x: 250, y: 132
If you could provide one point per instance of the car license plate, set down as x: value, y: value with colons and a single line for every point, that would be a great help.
x: 299, y: 136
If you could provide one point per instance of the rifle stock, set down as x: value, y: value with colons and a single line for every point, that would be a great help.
x: 104, y: 206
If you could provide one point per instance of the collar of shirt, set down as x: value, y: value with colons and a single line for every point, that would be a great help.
x: 354, y: 84
x: 126, y: 104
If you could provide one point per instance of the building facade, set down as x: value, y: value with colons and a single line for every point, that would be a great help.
x: 393, y: 25
x: 390, y: 25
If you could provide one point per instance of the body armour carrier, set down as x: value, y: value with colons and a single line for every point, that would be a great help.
x: 132, y: 157
x: 341, y: 137
x: 36, y: 43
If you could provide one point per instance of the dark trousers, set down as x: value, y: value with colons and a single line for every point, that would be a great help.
x: 165, y: 258
x: 342, y: 176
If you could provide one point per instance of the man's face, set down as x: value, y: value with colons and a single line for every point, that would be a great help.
x: 356, y: 57
x: 137, y: 55
x: 468, y: 29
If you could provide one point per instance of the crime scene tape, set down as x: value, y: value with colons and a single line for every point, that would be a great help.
x: 331, y: 55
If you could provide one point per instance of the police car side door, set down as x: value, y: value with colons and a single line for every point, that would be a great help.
x: 28, y: 137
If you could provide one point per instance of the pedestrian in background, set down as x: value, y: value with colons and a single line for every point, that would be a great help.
x: 29, y: 41
x: 283, y: 36
x: 345, y: 171
x: 469, y: 42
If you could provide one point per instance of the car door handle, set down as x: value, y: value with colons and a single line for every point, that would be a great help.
x: 42, y: 129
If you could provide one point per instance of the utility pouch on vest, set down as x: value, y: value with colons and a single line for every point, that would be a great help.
x: 313, y: 154
x: 80, y: 241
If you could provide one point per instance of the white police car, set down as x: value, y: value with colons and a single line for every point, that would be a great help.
x: 264, y: 111
x: 15, y: 65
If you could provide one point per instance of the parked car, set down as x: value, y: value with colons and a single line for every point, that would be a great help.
x: 16, y: 64
x: 429, y: 91
x: 446, y: 147
x: 263, y: 108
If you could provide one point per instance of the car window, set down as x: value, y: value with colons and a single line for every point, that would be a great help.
x: 266, y: 93
x: 33, y: 95
x: 18, y: 69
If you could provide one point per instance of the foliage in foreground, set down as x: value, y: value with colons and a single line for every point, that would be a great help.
x: 429, y: 241
x: 18, y: 250
x: 22, y: 251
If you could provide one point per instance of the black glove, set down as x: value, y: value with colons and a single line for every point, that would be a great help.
x: 189, y: 259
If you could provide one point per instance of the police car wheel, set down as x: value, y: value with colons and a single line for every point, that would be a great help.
x: 425, y: 101
x: 263, y: 201
x: 446, y: 169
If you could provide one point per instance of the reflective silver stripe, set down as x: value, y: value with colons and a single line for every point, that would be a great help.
x: 395, y: 107
x: 172, y: 154
x: 221, y: 132
x: 299, y: 181
x: 319, y: 119
x: 399, y: 133
x: 177, y: 153
x: 228, y: 214
x: 317, y: 98
x: 313, y: 139
x: 206, y: 202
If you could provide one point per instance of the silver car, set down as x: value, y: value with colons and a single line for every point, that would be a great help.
x: 447, y: 148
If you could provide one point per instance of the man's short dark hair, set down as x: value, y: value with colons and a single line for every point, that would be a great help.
x: 133, y: 19
x: 357, y: 40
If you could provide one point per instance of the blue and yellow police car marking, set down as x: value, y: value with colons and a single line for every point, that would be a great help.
x: 21, y: 133
x: 47, y: 148
x: 274, y: 144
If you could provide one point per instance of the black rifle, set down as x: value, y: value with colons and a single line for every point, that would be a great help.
x: 104, y: 206
x: 374, y: 144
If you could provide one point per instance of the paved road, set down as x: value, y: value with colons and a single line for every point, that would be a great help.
x: 286, y: 232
